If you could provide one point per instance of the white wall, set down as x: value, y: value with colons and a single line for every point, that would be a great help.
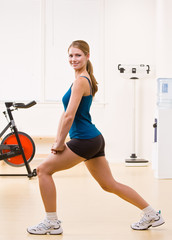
x: 119, y: 31
x: 130, y: 31
x: 20, y: 49
x: 164, y: 39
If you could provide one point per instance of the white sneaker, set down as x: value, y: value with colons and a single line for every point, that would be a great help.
x: 148, y: 221
x: 46, y: 227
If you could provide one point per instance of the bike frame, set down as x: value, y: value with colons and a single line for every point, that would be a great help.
x: 19, y: 150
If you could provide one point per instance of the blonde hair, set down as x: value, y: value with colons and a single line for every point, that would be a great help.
x: 84, y: 47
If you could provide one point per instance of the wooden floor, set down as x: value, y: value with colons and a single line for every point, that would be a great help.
x: 86, y: 211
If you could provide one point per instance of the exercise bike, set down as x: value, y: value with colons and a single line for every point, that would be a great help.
x: 17, y: 148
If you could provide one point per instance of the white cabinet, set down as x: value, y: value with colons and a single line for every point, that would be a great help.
x: 162, y: 162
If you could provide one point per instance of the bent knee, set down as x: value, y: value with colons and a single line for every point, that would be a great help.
x: 39, y: 170
x: 110, y: 187
x: 42, y: 170
x: 106, y: 188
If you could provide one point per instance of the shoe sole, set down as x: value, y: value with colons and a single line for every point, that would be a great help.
x: 47, y: 233
x: 148, y: 227
x: 158, y: 224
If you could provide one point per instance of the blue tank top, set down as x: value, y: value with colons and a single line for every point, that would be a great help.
x: 82, y: 127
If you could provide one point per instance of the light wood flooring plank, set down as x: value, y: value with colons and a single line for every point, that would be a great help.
x: 86, y: 211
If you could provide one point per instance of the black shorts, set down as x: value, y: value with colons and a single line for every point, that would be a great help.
x: 88, y: 148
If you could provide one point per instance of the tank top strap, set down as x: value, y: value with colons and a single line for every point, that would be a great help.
x: 89, y: 83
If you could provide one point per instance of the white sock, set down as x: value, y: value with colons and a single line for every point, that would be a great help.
x: 51, y: 216
x: 149, y: 211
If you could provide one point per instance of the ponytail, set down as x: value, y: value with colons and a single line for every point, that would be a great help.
x: 93, y: 80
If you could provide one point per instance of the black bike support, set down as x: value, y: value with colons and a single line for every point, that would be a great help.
x: 22, y: 152
x: 29, y: 172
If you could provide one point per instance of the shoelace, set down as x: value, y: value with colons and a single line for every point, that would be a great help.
x: 144, y: 219
x: 44, y: 226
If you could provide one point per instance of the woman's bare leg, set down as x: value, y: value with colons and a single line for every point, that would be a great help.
x: 99, y: 169
x: 55, y: 162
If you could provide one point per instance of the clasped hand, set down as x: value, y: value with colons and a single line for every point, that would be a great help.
x: 56, y: 147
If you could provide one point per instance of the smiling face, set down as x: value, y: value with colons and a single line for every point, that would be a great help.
x: 77, y: 59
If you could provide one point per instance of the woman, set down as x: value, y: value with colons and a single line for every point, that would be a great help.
x: 86, y: 144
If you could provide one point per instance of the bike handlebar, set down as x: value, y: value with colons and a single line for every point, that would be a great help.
x: 20, y: 105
